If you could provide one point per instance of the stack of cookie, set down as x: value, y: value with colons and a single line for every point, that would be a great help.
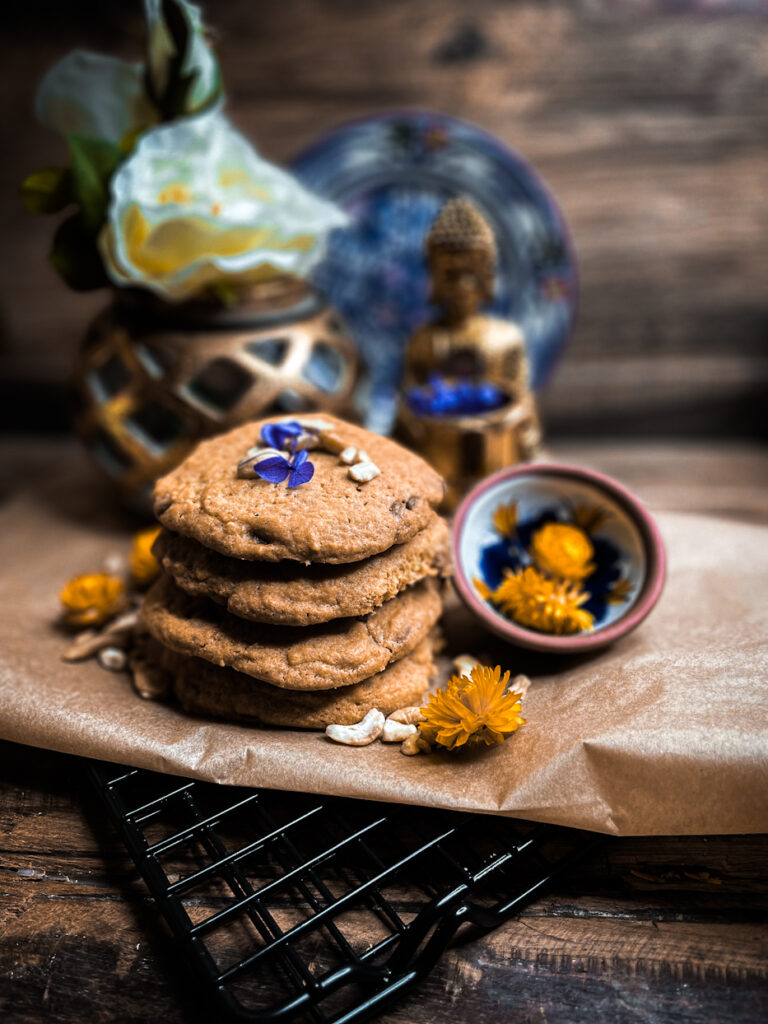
x: 299, y: 605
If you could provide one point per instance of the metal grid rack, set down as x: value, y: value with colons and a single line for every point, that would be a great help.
x: 297, y: 908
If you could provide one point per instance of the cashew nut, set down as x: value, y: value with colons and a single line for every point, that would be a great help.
x: 415, y: 744
x: 115, y: 564
x: 149, y: 681
x: 331, y: 442
x: 315, y: 423
x: 308, y: 441
x: 349, y: 455
x: 359, y: 734
x: 363, y: 472
x: 519, y: 685
x: 464, y: 663
x: 112, y: 658
x: 114, y: 634
x: 408, y: 716
x: 396, y: 732
x: 123, y: 623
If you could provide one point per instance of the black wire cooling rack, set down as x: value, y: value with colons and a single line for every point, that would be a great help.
x: 289, y: 907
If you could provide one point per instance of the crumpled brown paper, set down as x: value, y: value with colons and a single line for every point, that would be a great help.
x: 664, y: 733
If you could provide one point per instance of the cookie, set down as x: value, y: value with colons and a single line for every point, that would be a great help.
x: 206, y: 689
x: 329, y: 519
x: 337, y: 653
x: 296, y: 595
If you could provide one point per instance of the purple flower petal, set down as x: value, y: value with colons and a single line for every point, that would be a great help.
x: 275, y: 470
x: 276, y: 434
x: 299, y: 458
x: 302, y: 475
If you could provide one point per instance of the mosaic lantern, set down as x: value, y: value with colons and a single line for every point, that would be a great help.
x: 152, y: 379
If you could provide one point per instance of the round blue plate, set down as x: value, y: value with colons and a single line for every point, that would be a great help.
x: 392, y: 173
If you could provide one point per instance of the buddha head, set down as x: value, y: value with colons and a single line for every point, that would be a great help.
x: 461, y: 252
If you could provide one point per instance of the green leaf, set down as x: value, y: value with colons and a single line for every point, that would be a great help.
x: 184, y: 31
x: 128, y: 142
x: 177, y: 26
x: 224, y: 292
x: 75, y: 256
x: 93, y: 163
x: 47, y: 191
x: 171, y: 102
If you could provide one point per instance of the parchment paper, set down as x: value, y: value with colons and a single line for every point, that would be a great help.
x: 664, y: 733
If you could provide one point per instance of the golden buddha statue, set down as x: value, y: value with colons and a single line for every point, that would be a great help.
x: 463, y: 343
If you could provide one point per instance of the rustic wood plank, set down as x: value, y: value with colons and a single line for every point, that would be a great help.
x: 649, y: 123
x: 716, y: 477
x: 676, y: 928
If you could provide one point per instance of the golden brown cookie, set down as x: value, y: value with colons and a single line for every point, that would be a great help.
x: 298, y: 595
x: 206, y: 689
x: 337, y: 653
x: 329, y: 519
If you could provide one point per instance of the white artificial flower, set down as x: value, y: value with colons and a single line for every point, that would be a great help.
x: 95, y: 96
x: 195, y: 204
x: 105, y: 98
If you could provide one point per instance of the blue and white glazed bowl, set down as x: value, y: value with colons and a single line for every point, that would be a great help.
x: 627, y: 547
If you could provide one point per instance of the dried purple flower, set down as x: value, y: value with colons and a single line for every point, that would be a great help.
x: 274, y: 470
x: 276, y: 434
x: 445, y: 397
x: 302, y: 469
x: 299, y: 470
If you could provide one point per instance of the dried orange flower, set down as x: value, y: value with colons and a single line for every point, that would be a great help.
x: 619, y: 591
x: 564, y: 550
x: 505, y: 519
x: 472, y: 711
x: 534, y: 600
x: 144, y: 566
x: 91, y: 599
x: 591, y: 517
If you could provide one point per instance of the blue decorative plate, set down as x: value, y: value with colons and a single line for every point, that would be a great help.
x: 392, y: 173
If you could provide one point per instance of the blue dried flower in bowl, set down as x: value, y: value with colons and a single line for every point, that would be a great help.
x: 462, y: 397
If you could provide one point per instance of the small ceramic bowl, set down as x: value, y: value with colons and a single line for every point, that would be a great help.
x: 628, y: 549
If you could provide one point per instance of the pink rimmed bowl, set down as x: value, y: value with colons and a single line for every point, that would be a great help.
x: 536, y: 487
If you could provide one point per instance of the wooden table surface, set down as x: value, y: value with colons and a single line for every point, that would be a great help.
x: 647, y: 929
x: 648, y: 120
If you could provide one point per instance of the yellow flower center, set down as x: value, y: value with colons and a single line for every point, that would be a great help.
x: 563, y: 550
x: 177, y: 192
x: 174, y: 244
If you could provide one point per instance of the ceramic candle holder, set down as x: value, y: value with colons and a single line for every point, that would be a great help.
x: 628, y: 556
x: 466, y: 448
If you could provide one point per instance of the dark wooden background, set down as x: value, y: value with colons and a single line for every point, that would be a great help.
x: 649, y: 120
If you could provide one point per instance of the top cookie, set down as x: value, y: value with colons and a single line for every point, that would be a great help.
x: 330, y: 519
